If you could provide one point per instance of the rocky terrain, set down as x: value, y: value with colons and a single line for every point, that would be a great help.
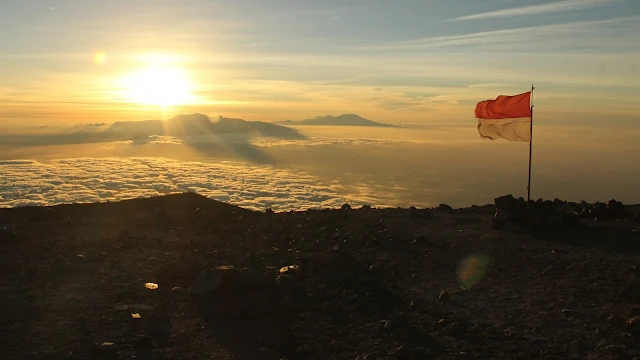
x: 185, y: 277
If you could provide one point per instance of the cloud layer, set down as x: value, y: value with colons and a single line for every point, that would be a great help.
x: 26, y: 183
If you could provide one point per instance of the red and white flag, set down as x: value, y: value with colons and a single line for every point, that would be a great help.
x: 506, y: 117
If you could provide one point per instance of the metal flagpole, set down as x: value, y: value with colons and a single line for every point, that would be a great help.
x: 530, y: 144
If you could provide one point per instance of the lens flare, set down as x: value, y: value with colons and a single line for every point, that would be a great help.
x: 100, y: 58
x: 472, y: 269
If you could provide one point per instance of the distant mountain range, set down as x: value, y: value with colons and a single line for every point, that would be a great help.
x: 341, y: 120
x: 181, y: 126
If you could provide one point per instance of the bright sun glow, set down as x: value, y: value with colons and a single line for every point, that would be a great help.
x: 159, y: 85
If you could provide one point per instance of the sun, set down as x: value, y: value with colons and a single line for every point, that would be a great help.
x: 158, y: 85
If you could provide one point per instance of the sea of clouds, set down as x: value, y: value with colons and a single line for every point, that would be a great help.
x: 28, y: 183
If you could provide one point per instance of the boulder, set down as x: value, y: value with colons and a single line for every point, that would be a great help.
x: 615, y: 208
x: 599, y: 211
x: 509, y: 206
x: 548, y: 205
x: 444, y: 207
x: 535, y: 217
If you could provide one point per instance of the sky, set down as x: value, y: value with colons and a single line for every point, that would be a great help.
x: 403, y: 61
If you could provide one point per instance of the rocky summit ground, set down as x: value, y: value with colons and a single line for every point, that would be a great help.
x: 185, y: 277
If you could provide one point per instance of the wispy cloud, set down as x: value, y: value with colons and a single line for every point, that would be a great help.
x: 510, y: 36
x: 559, y: 6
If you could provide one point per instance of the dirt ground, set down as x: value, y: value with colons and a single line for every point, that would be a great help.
x: 369, y: 284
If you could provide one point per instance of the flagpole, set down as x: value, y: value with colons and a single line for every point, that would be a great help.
x: 530, y: 144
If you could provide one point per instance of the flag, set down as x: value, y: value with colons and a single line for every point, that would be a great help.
x: 506, y: 117
x: 508, y: 129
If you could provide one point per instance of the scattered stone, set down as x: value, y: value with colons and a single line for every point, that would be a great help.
x: 533, y: 214
x: 290, y: 269
x: 444, y: 296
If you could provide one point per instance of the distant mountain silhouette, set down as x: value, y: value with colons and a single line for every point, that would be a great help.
x: 341, y: 120
x: 179, y: 126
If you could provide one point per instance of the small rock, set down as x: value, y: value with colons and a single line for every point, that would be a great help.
x: 420, y: 239
x: 509, y: 331
x: 106, y: 350
x: 441, y: 322
x: 366, y: 207
x: 177, y: 289
x: 345, y: 207
x: 634, y: 322
x: 444, y: 296
x: 567, y: 312
x: 269, y: 211
x: 388, y: 325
